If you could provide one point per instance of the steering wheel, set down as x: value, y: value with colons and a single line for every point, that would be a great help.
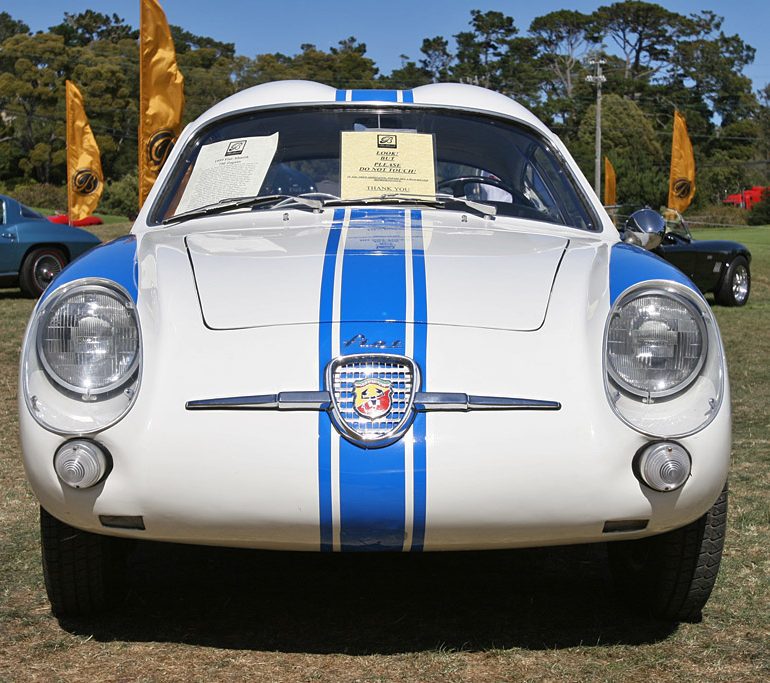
x: 457, y: 186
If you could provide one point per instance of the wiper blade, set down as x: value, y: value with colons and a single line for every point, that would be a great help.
x: 232, y: 203
x: 439, y: 200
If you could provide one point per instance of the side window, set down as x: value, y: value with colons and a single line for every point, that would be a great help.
x: 26, y: 212
x: 555, y: 181
x: 537, y: 192
x: 2, y: 212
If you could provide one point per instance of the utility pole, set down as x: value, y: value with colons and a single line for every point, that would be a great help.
x: 598, y: 79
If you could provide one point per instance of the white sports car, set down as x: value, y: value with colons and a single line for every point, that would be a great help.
x: 376, y: 320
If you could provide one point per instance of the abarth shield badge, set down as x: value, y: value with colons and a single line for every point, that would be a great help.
x: 372, y: 398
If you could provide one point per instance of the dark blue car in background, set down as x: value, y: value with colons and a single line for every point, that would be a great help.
x: 33, y: 250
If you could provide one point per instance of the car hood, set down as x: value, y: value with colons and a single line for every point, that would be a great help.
x: 473, y: 276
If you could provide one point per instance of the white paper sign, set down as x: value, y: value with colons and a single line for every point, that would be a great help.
x: 386, y: 162
x: 231, y: 168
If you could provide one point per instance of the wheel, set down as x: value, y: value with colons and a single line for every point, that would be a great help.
x: 40, y: 266
x: 736, y: 285
x: 671, y: 575
x: 84, y: 573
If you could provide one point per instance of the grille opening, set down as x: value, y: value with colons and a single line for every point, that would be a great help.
x: 617, y: 526
x: 397, y: 372
x: 123, y: 521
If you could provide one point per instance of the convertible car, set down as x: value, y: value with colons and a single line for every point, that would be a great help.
x: 717, y: 266
x: 33, y: 250
x: 376, y: 320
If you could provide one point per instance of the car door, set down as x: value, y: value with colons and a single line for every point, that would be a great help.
x: 709, y: 263
x: 9, y: 243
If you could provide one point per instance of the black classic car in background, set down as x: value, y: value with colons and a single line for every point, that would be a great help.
x: 717, y: 266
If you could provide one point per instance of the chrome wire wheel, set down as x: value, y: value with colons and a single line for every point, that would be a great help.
x: 735, y: 287
x: 740, y: 284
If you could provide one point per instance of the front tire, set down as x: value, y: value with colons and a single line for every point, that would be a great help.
x: 671, y: 576
x: 84, y: 573
x: 736, y: 285
x: 40, y: 266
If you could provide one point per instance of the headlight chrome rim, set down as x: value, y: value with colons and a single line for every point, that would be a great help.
x: 697, y: 315
x: 693, y: 410
x: 52, y: 305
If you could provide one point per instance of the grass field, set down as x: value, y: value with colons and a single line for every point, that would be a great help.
x: 543, y: 615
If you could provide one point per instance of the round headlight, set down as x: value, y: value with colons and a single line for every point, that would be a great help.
x: 656, y: 343
x: 88, y: 339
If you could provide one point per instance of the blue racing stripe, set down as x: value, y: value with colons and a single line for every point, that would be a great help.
x: 373, y: 304
x: 324, y: 356
x: 114, y: 261
x: 373, y: 482
x: 420, y: 357
x: 630, y: 265
x: 374, y: 96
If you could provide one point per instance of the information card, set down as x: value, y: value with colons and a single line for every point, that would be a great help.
x: 379, y: 162
x: 231, y: 168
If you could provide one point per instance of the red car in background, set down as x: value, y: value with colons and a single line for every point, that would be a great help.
x: 63, y: 219
x: 746, y: 198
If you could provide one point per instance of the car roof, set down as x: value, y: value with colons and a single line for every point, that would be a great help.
x: 454, y: 95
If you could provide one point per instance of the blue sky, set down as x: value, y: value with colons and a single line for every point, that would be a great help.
x: 389, y: 28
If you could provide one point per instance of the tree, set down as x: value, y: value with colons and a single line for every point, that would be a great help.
x: 711, y: 68
x: 78, y: 30
x: 32, y: 72
x: 629, y: 139
x: 763, y: 120
x: 346, y: 66
x: 436, y: 59
x: 351, y: 66
x: 408, y: 76
x: 718, y: 174
x: 184, y: 42
x: 563, y: 39
x: 10, y: 26
x: 644, y: 32
x: 108, y: 75
x: 479, y: 52
x: 210, y: 70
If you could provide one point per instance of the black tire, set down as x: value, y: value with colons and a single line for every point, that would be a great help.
x: 84, y: 573
x: 671, y: 576
x: 736, y: 284
x: 40, y: 266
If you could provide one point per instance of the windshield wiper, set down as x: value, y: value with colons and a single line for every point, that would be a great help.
x: 232, y: 203
x: 439, y: 200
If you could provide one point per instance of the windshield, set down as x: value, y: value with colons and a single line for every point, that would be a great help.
x: 359, y: 153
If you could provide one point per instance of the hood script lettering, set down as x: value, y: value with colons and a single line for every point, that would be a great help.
x: 362, y: 342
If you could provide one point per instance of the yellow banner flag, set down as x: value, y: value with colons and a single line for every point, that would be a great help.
x: 85, y: 181
x: 681, y: 183
x: 161, y: 95
x: 610, y: 196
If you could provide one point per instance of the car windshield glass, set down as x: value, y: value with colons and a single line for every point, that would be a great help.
x: 320, y: 151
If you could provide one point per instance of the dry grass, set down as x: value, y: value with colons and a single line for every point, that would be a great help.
x: 542, y: 615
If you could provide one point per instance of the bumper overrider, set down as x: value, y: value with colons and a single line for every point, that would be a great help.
x: 464, y: 438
